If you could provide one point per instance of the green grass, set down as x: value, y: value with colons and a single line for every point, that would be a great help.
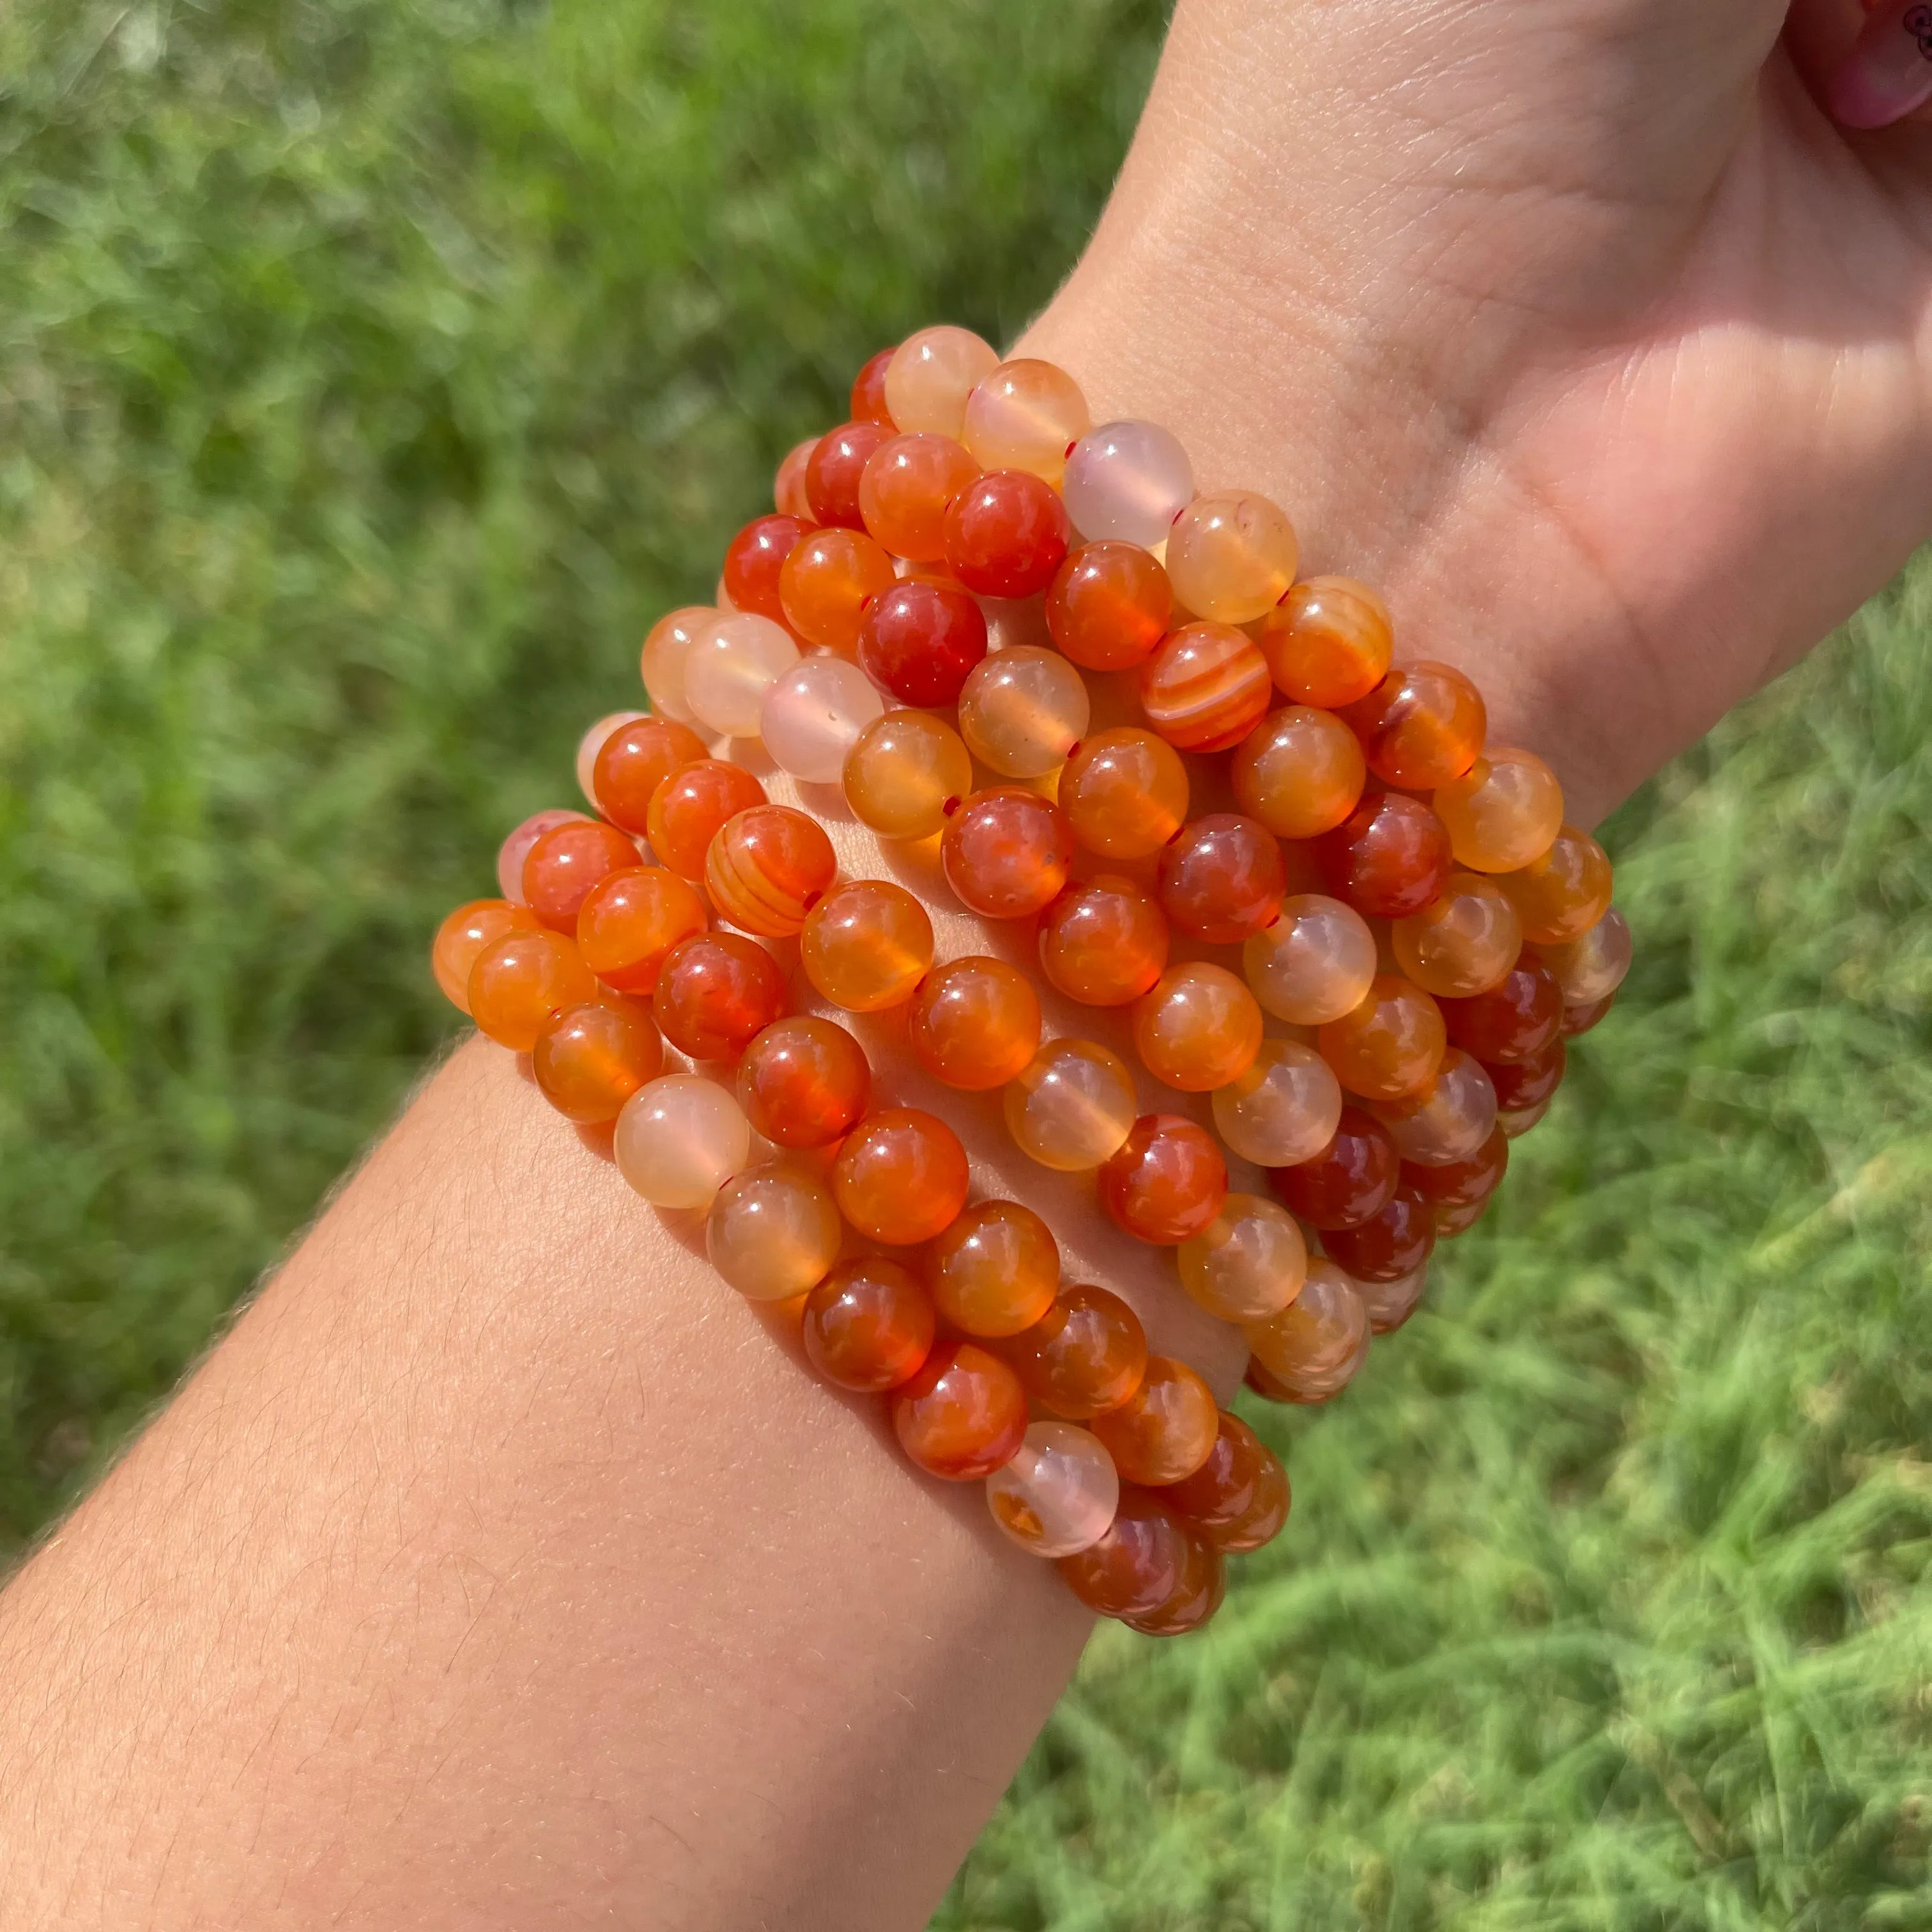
x: 371, y: 374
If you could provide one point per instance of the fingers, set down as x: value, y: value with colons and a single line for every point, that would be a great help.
x: 1869, y: 66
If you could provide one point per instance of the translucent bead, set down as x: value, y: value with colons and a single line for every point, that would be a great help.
x: 1058, y: 1494
x: 467, y: 932
x: 868, y: 402
x: 1006, y: 534
x: 1328, y: 642
x: 1202, y: 1587
x: 1022, y: 711
x: 1458, y: 1191
x: 813, y: 715
x: 1421, y: 727
x: 1299, y: 771
x: 630, y: 921
x: 1593, y: 966
x: 633, y: 761
x: 688, y: 809
x: 1222, y: 878
x: 1124, y: 793
x: 1283, y: 1108
x: 523, y: 983
x: 1561, y: 895
x: 920, y: 640
x: 1388, y: 858
x: 1197, y: 1027
x: 1127, y: 481
x: 1166, y: 1430
x: 566, y: 862
x: 974, y: 1023
x: 754, y: 558
x: 593, y: 743
x: 1232, y: 555
x: 866, y: 945
x: 1516, y: 1122
x: 908, y: 487
x: 1388, y: 1045
x: 904, y: 772
x: 1314, y: 1346
x: 1348, y: 1182
x: 1205, y: 687
x: 715, y: 993
x: 1104, y: 943
x: 835, y: 469
x: 1086, y: 1355
x: 963, y: 1415
x: 901, y: 1177
x: 1390, y: 1303
x: 1448, y: 1119
x: 1137, y: 1565
x: 1515, y: 1018
x: 868, y: 1325
x: 788, y: 493
x: 767, y: 867
x: 667, y: 646
x: 1520, y: 1084
x: 733, y: 661
x: 1463, y: 941
x: 1006, y: 853
x: 679, y: 1139
x: 995, y: 1270
x: 1579, y: 1019
x: 1165, y: 1182
x: 931, y: 374
x: 1248, y: 1263
x: 1108, y: 606
x: 1314, y: 963
x: 1390, y: 1245
x: 1238, y: 1498
x: 1503, y: 813
x: 1072, y: 1106
x: 773, y: 1231
x: 804, y: 1082
x: 829, y: 580
x: 1025, y: 415
x: 516, y: 848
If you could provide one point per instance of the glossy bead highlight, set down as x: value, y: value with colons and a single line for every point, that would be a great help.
x: 930, y: 375
x: 995, y: 1270
x: 904, y: 773
x: 666, y: 645
x: 1127, y: 482
x: 465, y: 934
x: 1124, y: 793
x: 1103, y: 943
x: 732, y: 661
x: 1058, y: 1494
x: 565, y: 865
x: 1421, y: 727
x: 633, y: 761
x: 1314, y: 963
x: 963, y: 1415
x: 1165, y: 1182
x: 1238, y: 1498
x: 767, y: 867
x: 679, y: 1139
x: 866, y: 945
x: 1248, y: 1263
x: 1232, y: 555
x: 1006, y: 534
x: 829, y: 581
x: 974, y: 1023
x: 1022, y: 711
x: 1503, y: 813
x: 803, y: 1082
x: 1348, y: 1182
x: 1071, y: 1107
x: 1025, y: 415
x: 901, y: 1177
x: 715, y: 993
x: 920, y: 640
x: 868, y: 1325
x: 689, y: 807
x: 1328, y: 642
x: 1222, y: 878
x: 1462, y: 943
x: 596, y: 1056
x: 1006, y: 853
x: 813, y: 715
x: 1197, y: 1027
x: 908, y: 486
x: 522, y: 984
x: 1299, y: 772
x: 1205, y: 687
x: 630, y: 921
x: 1166, y: 1430
x: 1314, y: 1346
x: 1561, y: 895
x: 1085, y: 1355
x: 772, y: 1231
x: 1388, y: 858
x: 1284, y: 1108
x: 1108, y: 606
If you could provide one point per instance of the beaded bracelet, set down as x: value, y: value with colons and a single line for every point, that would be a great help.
x: 1408, y: 904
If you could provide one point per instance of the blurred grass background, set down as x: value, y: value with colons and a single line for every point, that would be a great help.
x: 372, y: 374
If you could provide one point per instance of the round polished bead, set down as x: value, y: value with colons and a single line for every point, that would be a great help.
x: 1327, y: 642
x: 1232, y: 555
x: 688, y: 810
x: 1388, y: 858
x: 1222, y: 878
x: 1006, y: 853
x: 1516, y: 1122
x: 868, y: 402
x: 1457, y: 1192
x: 715, y: 993
x: 1104, y: 943
x: 1390, y: 1303
x: 564, y: 865
x: 1520, y: 1084
x: 1166, y: 1430
x: 1585, y: 969
x: 767, y: 867
x: 901, y: 1177
x: 829, y: 579
x: 803, y: 1082
x: 1579, y: 1019
x: 1299, y: 771
x: 630, y: 921
x: 1165, y: 1182
x: 465, y: 934
x: 1022, y: 711
x: 1314, y: 963
x: 1086, y: 1355
x: 962, y: 1415
x: 1314, y: 1346
x: 1448, y: 1119
x: 1205, y: 687
x: 1519, y: 1016
x: 1463, y: 941
x: 1124, y: 793
x: 1238, y: 1498
x: 1058, y: 1494
x: 908, y: 487
x: 1127, y: 482
x: 1108, y: 606
x: 813, y: 716
x: 1561, y: 895
x: 1348, y: 1182
x: 1503, y: 813
x: 1282, y: 1109
x: 633, y: 761
x: 667, y: 646
x: 593, y: 742
x: 866, y: 945
x: 773, y: 1231
x: 1137, y: 1565
x: 995, y: 1270
x: 596, y: 1056
x: 1390, y: 1245
x: 733, y: 661
x: 1248, y: 1263
x: 523, y: 983
x: 1025, y: 415
x: 921, y: 639
x: 753, y: 559
x: 834, y: 470
x: 788, y: 496
x: 868, y: 1325
x: 1389, y: 1045
x: 931, y: 374
x: 1200, y: 1591
x: 974, y: 1023
x: 1197, y: 1027
x: 904, y: 774
x: 516, y: 848
x: 679, y: 1139
x: 1072, y: 1106
x: 1421, y: 727
x: 1006, y: 534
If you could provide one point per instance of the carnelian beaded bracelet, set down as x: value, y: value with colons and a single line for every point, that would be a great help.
x: 1348, y: 934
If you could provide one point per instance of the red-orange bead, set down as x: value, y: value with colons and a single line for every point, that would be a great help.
x: 465, y: 935
x: 632, y: 920
x: 833, y: 469
x: 908, y: 486
x: 1124, y: 793
x: 1205, y: 687
x: 633, y: 761
x: 1238, y: 1498
x: 715, y: 993
x: 1561, y: 895
x: 1166, y: 1430
x: 1348, y: 1182
x: 921, y: 640
x: 868, y: 1325
x: 1137, y: 1565
x: 1422, y: 726
x: 1299, y: 771
x: 828, y: 581
x: 1520, y: 1017
x: 1312, y: 1349
x: 866, y: 945
x: 788, y: 496
x: 767, y: 867
x: 1327, y: 642
x: 1521, y: 1084
x: 868, y: 389
x: 963, y: 1415
x: 974, y: 1023
x: 523, y: 983
x: 1108, y: 606
x: 1006, y: 534
x: 753, y: 559
x: 1085, y: 1355
x: 1006, y: 852
x: 804, y: 1082
x: 995, y: 1270
x: 596, y: 1056
x: 1167, y: 1180
x: 1221, y: 877
x: 1388, y: 858
x: 1389, y: 1245
x: 687, y: 808
x: 1388, y: 1045
x: 1457, y: 1192
x: 1197, y: 1028
x: 1579, y: 1019
x: 901, y: 1177
x: 566, y: 862
x: 1104, y: 943
x: 1200, y: 1592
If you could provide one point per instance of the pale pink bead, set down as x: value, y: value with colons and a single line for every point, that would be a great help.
x: 1314, y: 1346
x: 1518, y: 1123
x: 592, y: 742
x: 1059, y: 1493
x: 1314, y: 963
x: 732, y: 661
x: 679, y: 1139
x: 1127, y: 481
x: 1027, y: 415
x: 773, y: 1231
x: 1022, y: 711
x: 812, y: 716
x: 1248, y: 1263
x: 1232, y: 555
x: 665, y: 650
x: 1390, y: 1303
x: 1591, y: 968
x: 1452, y: 1121
x: 515, y: 849
x: 1284, y: 1109
x: 930, y: 375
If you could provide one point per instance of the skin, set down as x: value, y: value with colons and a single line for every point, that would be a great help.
x: 496, y: 1570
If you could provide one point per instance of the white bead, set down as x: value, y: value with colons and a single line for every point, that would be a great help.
x: 593, y: 741
x: 1059, y: 1493
x: 732, y: 661
x: 812, y: 717
x: 1127, y: 481
x: 930, y: 375
x: 515, y: 849
x: 679, y: 1139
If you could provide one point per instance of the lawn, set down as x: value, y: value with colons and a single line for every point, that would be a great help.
x: 372, y: 375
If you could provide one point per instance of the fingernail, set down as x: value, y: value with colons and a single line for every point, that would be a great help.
x: 1887, y: 73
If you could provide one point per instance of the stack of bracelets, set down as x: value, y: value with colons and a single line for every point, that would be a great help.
x: 1406, y: 901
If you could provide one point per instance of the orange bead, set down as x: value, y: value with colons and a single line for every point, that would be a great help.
x: 1108, y: 606
x: 715, y: 993
x: 1222, y: 878
x: 974, y: 1023
x: 1312, y: 1349
x: 1388, y: 1045
x: 1327, y: 642
x: 1166, y: 1430
x: 1104, y: 943
x: 962, y: 1415
x: 632, y: 920
x: 1084, y: 1355
x: 1139, y: 1564
x: 1006, y: 852
x: 908, y: 485
x: 1238, y: 1498
x: 1200, y: 1591
x: 907, y: 772
x: 1422, y: 726
x: 1071, y: 1106
x: 633, y: 761
x: 522, y: 984
x: 995, y: 1270
x: 1561, y: 895
x: 868, y: 1325
x: 688, y: 809
x: 596, y: 1056
x: 1299, y: 771
x: 868, y: 388
x: 1503, y: 813
x: 767, y: 867
x: 1463, y: 941
x: 467, y: 933
x: 1232, y: 554
x: 1198, y: 1028
x: 1205, y: 687
x: 667, y: 646
x: 1124, y: 793
x: 866, y: 945
x: 901, y: 1177
x: 804, y: 1082
x: 828, y: 579
x: 565, y: 864
x: 1025, y: 415
x: 788, y: 492
x: 1166, y: 1181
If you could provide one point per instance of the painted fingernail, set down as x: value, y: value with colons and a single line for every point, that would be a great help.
x: 1887, y: 73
